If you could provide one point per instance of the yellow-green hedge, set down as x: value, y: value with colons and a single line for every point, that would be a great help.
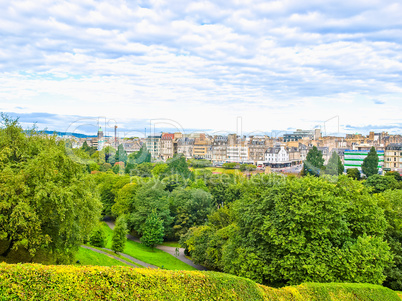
x: 40, y: 282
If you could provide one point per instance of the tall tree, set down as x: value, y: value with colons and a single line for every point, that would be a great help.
x: 370, y: 163
x: 48, y: 204
x: 153, y: 231
x: 314, y: 162
x: 334, y: 166
x: 119, y: 238
x: 121, y: 154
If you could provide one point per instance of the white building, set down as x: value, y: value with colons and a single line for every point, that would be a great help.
x: 277, y: 157
x: 236, y: 153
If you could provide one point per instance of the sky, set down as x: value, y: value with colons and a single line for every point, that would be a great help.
x: 217, y: 66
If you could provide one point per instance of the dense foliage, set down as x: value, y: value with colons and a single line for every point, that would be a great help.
x: 314, y: 162
x: 38, y: 282
x: 48, y: 205
x: 292, y: 230
x: 370, y: 163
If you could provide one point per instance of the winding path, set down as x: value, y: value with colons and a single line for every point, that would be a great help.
x: 169, y: 250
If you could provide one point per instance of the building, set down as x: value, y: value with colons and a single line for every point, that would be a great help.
x: 302, y: 134
x: 219, y: 148
x: 237, y: 153
x: 277, y: 157
x: 168, y: 146
x: 393, y: 157
x: 185, y: 146
x: 153, y: 145
x: 354, y: 159
x: 200, y: 149
x: 131, y: 145
x: 257, y: 147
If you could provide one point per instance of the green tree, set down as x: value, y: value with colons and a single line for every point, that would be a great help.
x: 380, y: 183
x: 314, y: 162
x: 293, y: 230
x: 391, y: 202
x: 353, y: 173
x: 153, y: 231
x: 109, y: 184
x: 119, y: 238
x: 334, y: 166
x: 121, y: 155
x: 98, y: 238
x: 159, y: 170
x: 394, y: 174
x: 48, y: 204
x: 149, y: 197
x: 370, y: 163
x: 178, y: 165
x: 86, y: 148
x: 229, y: 165
x: 190, y: 207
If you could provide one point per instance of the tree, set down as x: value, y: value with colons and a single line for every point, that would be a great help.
x: 119, y: 235
x: 190, y: 207
x: 121, y: 155
x: 334, y: 166
x: 370, y: 163
x: 391, y: 202
x: 98, y: 238
x: 178, y: 165
x: 379, y: 183
x: 109, y: 185
x: 296, y: 230
x: 153, y: 231
x: 314, y: 162
x: 49, y: 206
x: 394, y: 174
x: 229, y: 165
x: 86, y: 148
x: 248, y: 167
x: 159, y: 170
x: 149, y: 197
x: 353, y: 173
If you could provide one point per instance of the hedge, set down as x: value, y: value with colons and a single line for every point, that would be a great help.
x: 40, y: 282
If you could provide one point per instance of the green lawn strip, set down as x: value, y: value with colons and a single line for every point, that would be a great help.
x: 156, y: 257
x: 173, y: 244
x: 224, y: 170
x: 117, y: 255
x: 89, y: 257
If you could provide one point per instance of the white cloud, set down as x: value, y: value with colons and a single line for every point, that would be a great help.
x: 219, y: 59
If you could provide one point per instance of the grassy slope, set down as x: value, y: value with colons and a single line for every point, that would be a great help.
x: 88, y: 257
x: 148, y: 255
x: 39, y: 282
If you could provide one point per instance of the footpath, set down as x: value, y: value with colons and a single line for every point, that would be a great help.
x: 170, y: 250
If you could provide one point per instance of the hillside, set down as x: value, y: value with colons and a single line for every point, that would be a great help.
x: 39, y: 282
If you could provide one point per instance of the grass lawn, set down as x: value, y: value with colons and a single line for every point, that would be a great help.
x: 173, y: 244
x: 156, y: 257
x: 224, y: 170
x: 88, y: 257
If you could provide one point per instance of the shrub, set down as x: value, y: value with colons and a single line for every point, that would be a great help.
x: 98, y: 238
x: 39, y: 282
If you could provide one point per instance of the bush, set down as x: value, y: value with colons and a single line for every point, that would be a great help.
x: 98, y: 238
x: 39, y: 282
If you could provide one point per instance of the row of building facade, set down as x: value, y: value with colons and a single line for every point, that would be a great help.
x: 290, y: 149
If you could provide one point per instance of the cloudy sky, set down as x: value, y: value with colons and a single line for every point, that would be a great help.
x: 274, y: 65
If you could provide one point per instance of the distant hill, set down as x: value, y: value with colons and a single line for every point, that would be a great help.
x: 63, y: 134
